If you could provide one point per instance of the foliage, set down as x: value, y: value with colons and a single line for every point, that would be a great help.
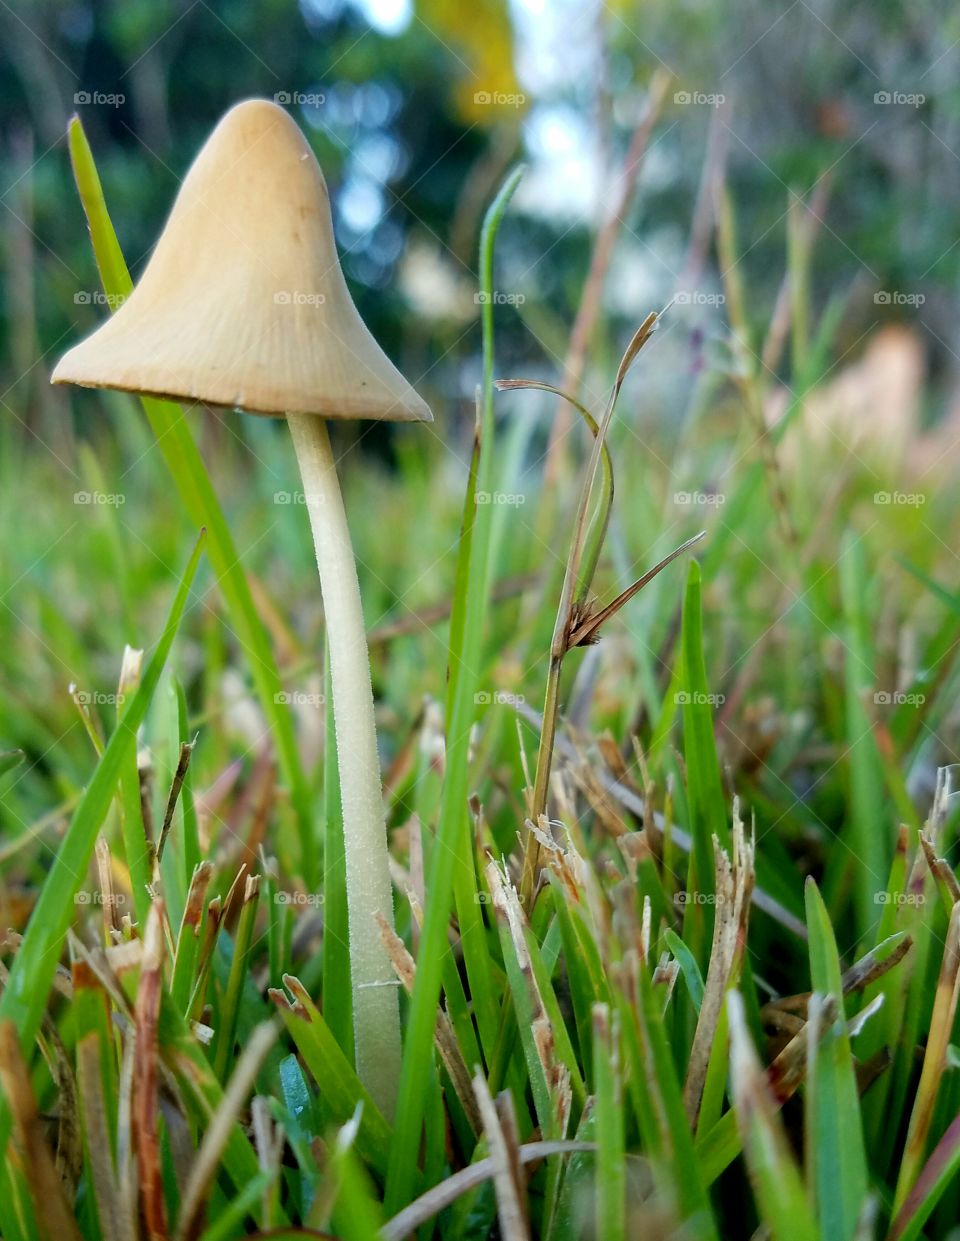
x: 679, y: 954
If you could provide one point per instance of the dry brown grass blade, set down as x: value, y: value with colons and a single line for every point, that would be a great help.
x: 511, y: 1132
x: 220, y: 1127
x: 146, y: 1078
x: 69, y: 1159
x: 54, y: 1218
x: 871, y: 966
x: 186, y: 753
x: 108, y: 966
x: 934, y: 1061
x: 587, y: 630
x: 116, y: 1220
x: 506, y: 907
x: 197, y: 894
x: 126, y: 1157
x: 787, y: 1071
x: 212, y: 925
x: 109, y: 903
x: 630, y: 800
x: 234, y: 898
x: 591, y: 297
x: 269, y: 1139
x: 735, y: 879
x: 507, y: 1178
x: 459, y: 1183
x: 605, y: 808
x: 790, y: 1012
x: 447, y: 1045
x: 637, y: 341
x: 62, y: 983
x: 942, y: 872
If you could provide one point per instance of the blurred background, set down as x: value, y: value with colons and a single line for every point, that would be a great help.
x: 786, y: 176
x: 417, y: 110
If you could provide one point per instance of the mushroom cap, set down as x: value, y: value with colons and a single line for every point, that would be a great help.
x: 243, y: 302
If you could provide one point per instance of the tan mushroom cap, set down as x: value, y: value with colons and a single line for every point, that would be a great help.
x: 243, y: 302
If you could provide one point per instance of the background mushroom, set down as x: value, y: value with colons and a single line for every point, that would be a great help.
x: 243, y: 304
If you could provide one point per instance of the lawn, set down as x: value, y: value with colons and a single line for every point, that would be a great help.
x: 666, y: 708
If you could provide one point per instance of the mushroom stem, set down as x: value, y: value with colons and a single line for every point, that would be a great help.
x: 376, y: 1011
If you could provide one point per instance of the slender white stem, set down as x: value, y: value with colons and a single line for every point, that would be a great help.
x: 376, y: 1012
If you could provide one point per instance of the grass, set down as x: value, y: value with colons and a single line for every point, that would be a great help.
x: 677, y: 932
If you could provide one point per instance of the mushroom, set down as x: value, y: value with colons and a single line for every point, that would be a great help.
x: 243, y: 304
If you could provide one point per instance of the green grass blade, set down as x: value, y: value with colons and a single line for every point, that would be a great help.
x: 775, y: 1177
x: 663, y: 1122
x: 452, y: 860
x: 31, y: 976
x: 10, y: 759
x: 688, y: 966
x: 229, y: 1009
x: 204, y: 1095
x: 229, y: 1221
x: 869, y: 817
x: 938, y: 1172
x: 186, y: 466
x: 611, y: 1163
x: 340, y: 1088
x: 934, y: 1062
x: 707, y: 802
x: 834, y: 1128
x: 136, y: 847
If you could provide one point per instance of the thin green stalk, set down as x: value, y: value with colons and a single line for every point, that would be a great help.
x: 24, y: 997
x: 179, y: 451
x: 588, y: 534
x: 230, y: 1008
x: 452, y: 852
x: 611, y: 1221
